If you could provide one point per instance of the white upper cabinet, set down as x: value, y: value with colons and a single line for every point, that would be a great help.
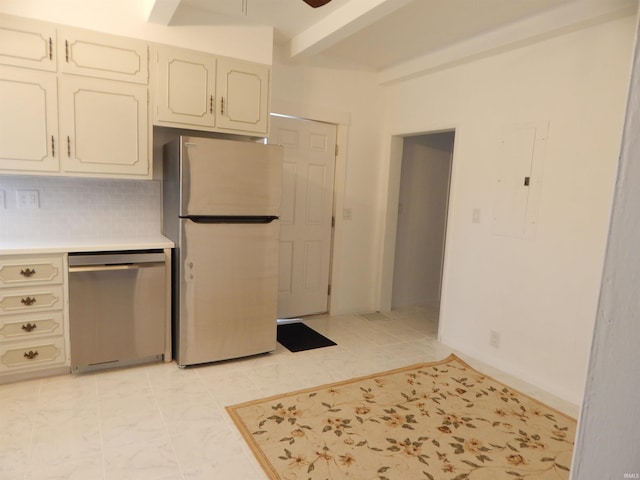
x: 243, y: 96
x: 28, y: 120
x: 76, y: 102
x: 185, y: 88
x: 92, y: 54
x: 200, y: 91
x: 27, y: 43
x: 89, y: 116
x: 104, y: 127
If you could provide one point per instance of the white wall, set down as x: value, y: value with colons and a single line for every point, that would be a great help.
x: 424, y: 189
x: 608, y: 439
x: 129, y: 19
x: 539, y: 293
x: 352, y: 100
x: 80, y: 208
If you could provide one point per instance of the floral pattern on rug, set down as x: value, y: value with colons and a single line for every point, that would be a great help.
x: 437, y: 421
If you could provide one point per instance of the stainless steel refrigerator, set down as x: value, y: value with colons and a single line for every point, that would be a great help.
x: 221, y: 201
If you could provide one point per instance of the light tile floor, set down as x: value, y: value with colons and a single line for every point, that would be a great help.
x: 159, y: 422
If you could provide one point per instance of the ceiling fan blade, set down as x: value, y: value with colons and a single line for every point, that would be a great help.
x: 316, y: 3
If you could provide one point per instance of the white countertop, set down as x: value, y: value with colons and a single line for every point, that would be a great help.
x: 62, y: 245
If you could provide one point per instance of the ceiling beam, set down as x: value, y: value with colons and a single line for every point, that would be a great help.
x: 343, y: 22
x: 564, y: 19
x: 162, y: 11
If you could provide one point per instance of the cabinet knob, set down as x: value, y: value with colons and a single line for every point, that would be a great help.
x: 28, y: 301
x: 29, y: 327
x: 27, y: 272
x: 31, y: 354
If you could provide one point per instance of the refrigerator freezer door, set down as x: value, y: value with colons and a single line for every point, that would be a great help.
x: 228, y: 291
x: 225, y: 177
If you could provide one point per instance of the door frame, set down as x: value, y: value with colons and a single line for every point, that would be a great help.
x: 342, y: 121
x: 396, y: 147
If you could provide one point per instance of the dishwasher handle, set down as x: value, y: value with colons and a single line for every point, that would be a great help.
x: 107, y: 268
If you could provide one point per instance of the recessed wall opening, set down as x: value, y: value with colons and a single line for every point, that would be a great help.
x: 420, y: 178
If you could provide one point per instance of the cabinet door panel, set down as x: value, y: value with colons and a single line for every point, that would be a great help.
x: 243, y: 91
x: 186, y: 88
x: 103, y: 56
x: 104, y: 127
x: 28, y: 120
x: 27, y: 43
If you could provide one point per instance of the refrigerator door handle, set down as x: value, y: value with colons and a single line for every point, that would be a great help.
x: 256, y: 219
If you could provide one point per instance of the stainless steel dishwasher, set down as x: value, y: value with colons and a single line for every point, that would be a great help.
x: 118, y: 308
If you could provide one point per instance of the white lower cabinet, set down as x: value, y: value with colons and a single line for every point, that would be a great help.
x: 36, y: 325
x: 32, y: 355
x: 33, y: 316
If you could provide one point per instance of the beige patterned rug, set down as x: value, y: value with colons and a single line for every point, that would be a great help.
x: 436, y: 421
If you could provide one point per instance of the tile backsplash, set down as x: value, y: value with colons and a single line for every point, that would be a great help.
x: 79, y: 208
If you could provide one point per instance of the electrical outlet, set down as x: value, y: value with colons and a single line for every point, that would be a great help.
x: 28, y: 198
x: 494, y: 339
x: 347, y: 214
x: 475, y: 216
x: 3, y: 203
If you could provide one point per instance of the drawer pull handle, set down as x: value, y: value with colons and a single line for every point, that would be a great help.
x: 29, y: 327
x: 31, y: 354
x: 28, y: 301
x: 27, y: 272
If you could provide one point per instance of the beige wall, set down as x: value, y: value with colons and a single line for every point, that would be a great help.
x: 609, y: 429
x: 540, y: 293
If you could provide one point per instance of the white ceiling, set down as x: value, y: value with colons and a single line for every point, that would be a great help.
x: 383, y: 34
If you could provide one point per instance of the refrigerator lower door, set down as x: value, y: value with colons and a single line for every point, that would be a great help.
x: 228, y: 290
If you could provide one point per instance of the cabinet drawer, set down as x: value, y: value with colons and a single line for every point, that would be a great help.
x: 15, y: 272
x: 30, y: 300
x: 32, y: 355
x: 22, y: 327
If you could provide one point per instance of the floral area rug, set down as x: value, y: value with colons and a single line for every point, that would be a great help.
x: 436, y: 421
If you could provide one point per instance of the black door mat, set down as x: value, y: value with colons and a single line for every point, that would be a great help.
x: 297, y: 337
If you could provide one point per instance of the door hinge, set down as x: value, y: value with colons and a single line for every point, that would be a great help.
x: 329, y: 290
x: 337, y: 149
x: 333, y: 222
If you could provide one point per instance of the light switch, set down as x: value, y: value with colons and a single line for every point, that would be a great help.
x: 475, y: 216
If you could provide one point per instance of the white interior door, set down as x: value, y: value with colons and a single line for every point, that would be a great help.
x: 305, y: 214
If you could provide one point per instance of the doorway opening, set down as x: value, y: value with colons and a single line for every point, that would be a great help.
x: 420, y: 232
